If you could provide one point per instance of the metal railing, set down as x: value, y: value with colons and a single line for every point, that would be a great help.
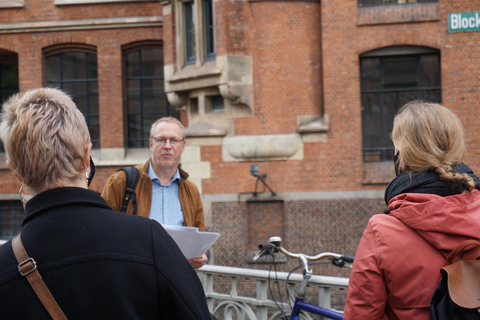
x: 231, y: 305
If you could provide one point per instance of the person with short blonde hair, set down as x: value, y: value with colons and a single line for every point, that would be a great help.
x: 45, y: 138
x: 434, y: 205
x: 97, y: 263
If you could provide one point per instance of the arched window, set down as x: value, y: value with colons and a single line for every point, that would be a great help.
x: 145, y: 97
x: 391, y: 77
x: 8, y: 77
x: 73, y: 68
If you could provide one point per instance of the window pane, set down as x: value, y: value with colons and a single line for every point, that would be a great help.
x: 134, y: 127
x: 78, y: 92
x: 132, y: 66
x: 370, y: 70
x: 145, y: 96
x: 152, y: 95
x: 190, y: 31
x: 76, y: 74
x: 8, y: 78
x: 217, y: 104
x: 74, y: 65
x: 210, y: 28
x: 151, y: 66
x: 432, y: 95
x: 392, y: 102
x: 92, y: 66
x: 11, y: 217
x: 400, y: 72
x: 53, y: 68
x: 371, y: 120
x: 93, y: 98
x: 133, y: 96
x: 404, y: 78
x: 430, y: 70
x: 94, y: 128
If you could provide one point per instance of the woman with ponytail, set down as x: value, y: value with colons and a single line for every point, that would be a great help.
x: 434, y: 205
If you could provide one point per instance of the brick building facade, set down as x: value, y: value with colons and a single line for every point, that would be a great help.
x: 304, y: 89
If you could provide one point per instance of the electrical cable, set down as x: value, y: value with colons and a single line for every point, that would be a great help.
x: 278, y: 288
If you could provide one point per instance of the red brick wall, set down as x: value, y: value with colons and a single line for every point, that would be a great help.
x: 45, y: 10
x: 310, y: 227
x: 108, y: 43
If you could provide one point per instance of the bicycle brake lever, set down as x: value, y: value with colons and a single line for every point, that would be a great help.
x: 337, y: 262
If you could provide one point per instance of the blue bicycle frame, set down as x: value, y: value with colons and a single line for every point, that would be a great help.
x: 301, y: 305
x: 274, y: 246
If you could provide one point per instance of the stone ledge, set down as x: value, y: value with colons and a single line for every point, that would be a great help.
x: 73, y: 2
x: 12, y: 4
x: 398, y: 14
x: 265, y: 147
x: 84, y: 24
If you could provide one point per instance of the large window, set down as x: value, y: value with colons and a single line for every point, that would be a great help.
x: 371, y: 3
x: 209, y: 8
x: 75, y: 73
x: 146, y: 100
x: 195, y: 31
x: 388, y: 81
x: 191, y: 52
x: 11, y: 217
x: 8, y: 77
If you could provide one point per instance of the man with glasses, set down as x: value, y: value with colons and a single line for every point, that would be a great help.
x: 163, y: 192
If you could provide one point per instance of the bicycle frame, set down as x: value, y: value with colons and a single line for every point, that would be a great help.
x: 300, y: 304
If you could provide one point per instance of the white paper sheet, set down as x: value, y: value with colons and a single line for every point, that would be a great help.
x: 192, y: 243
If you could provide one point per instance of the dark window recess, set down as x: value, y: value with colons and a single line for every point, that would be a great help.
x: 209, y: 7
x: 76, y: 74
x: 387, y: 83
x: 191, y: 53
x: 146, y: 100
x: 8, y: 78
x: 11, y: 217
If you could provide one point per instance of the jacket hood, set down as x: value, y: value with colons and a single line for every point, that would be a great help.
x: 444, y: 222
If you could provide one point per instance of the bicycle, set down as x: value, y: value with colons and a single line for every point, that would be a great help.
x: 338, y: 260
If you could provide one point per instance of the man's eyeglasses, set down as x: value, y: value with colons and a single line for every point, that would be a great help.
x: 163, y: 141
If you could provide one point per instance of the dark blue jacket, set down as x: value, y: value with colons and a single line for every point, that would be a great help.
x: 98, y: 264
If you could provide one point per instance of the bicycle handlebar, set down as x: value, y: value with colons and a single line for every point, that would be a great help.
x: 274, y: 246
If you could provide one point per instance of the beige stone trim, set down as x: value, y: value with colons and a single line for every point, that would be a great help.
x: 65, y: 25
x: 262, y: 148
x: 73, y: 2
x: 398, y: 13
x: 12, y: 4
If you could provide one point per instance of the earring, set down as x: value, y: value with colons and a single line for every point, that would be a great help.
x: 22, y: 196
x: 86, y: 172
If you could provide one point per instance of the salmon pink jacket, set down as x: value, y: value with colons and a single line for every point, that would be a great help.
x: 398, y: 259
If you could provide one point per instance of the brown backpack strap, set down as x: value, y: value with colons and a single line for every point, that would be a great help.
x: 469, y: 255
x: 28, y: 268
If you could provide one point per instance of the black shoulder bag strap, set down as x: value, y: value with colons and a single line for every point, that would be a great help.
x: 133, y: 175
x: 28, y: 269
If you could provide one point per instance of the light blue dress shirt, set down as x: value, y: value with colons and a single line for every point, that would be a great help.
x: 166, y: 207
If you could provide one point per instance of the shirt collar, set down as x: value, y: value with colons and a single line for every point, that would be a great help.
x: 151, y: 173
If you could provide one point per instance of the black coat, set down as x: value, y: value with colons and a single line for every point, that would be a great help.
x: 98, y: 264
